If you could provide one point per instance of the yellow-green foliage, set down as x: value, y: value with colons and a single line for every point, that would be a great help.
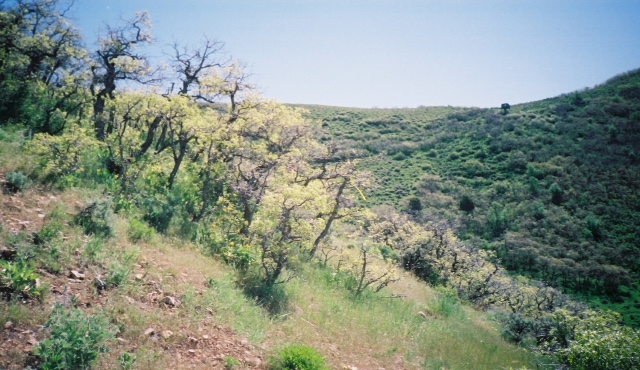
x: 62, y: 155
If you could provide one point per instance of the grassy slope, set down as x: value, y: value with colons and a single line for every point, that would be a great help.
x: 214, y: 317
x: 586, y: 143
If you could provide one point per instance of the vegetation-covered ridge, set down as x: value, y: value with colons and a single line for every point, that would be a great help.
x: 189, y: 154
x: 551, y: 186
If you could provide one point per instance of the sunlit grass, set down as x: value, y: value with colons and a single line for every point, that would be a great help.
x: 379, y: 331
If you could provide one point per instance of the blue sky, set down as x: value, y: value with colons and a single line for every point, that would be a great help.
x: 401, y: 53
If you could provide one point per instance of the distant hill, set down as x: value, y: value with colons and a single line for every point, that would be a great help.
x: 552, y: 186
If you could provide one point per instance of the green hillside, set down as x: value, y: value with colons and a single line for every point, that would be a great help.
x: 180, y: 220
x: 552, y: 186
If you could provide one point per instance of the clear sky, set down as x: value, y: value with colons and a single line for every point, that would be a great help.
x: 401, y: 53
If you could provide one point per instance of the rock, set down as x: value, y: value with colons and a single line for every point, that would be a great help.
x: 166, y: 334
x: 149, y: 331
x: 100, y: 284
x: 75, y: 274
x: 171, y: 301
x: 8, y: 325
x: 138, y: 277
x: 253, y: 361
x: 7, y: 254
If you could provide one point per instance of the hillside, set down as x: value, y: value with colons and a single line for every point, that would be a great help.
x: 168, y: 305
x: 163, y: 214
x: 552, y: 186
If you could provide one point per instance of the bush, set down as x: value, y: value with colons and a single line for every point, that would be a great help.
x: 17, y: 181
x: 297, y: 357
x: 466, y: 204
x: 600, y: 343
x: 498, y: 220
x: 18, y: 278
x: 519, y: 329
x: 75, y: 340
x: 556, y: 194
x: 139, y: 231
x: 97, y: 218
x: 231, y: 363
x: 414, y: 204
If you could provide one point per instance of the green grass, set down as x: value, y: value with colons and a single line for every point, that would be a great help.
x: 375, y: 330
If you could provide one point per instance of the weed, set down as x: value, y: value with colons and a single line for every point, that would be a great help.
x: 18, y: 278
x: 127, y: 361
x: 139, y: 231
x: 230, y: 363
x: 297, y: 357
x: 75, y: 340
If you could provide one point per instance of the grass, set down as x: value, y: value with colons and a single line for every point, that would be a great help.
x: 373, y: 331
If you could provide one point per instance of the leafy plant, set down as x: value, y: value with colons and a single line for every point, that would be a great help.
x: 297, y: 357
x: 75, y: 340
x: 230, y: 363
x: 139, y: 231
x: 127, y: 361
x: 97, y: 218
x: 17, y: 181
x: 18, y: 278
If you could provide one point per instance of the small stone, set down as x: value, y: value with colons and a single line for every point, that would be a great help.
x: 100, y: 284
x: 75, y: 274
x: 192, y: 351
x: 8, y: 325
x: 149, y: 331
x: 167, y: 334
x: 205, y: 337
x: 121, y: 340
x: 138, y: 277
x: 170, y: 301
x: 193, y: 339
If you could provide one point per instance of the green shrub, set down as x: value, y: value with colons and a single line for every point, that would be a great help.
x: 519, y: 329
x: 595, y: 227
x: 297, y: 357
x: 497, y: 220
x: 18, y: 278
x: 414, y: 203
x: 17, y: 181
x: 466, y: 204
x: 97, y: 218
x: 600, y: 343
x: 556, y: 194
x: 127, y: 361
x: 75, y: 340
x: 230, y: 363
x: 139, y: 231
